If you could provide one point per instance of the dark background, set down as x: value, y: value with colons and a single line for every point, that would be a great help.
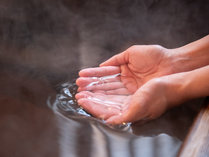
x: 44, y: 43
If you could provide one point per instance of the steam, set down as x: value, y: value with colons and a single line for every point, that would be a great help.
x: 60, y: 37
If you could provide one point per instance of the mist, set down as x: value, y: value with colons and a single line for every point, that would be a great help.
x: 44, y: 43
x: 61, y: 36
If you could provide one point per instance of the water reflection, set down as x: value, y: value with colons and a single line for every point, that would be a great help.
x: 71, y: 131
x: 45, y: 42
x: 159, y: 146
x: 83, y: 135
x: 66, y: 104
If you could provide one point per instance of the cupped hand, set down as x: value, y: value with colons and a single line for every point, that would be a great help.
x: 137, y: 65
x: 102, y: 105
x: 147, y: 102
x: 123, y: 77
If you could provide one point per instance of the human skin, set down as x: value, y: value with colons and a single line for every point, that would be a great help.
x: 159, y: 94
x: 140, y: 63
x: 141, y: 81
x: 152, y: 99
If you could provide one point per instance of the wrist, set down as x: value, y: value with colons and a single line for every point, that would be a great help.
x: 176, y: 86
x: 181, y: 60
x: 191, y: 56
x: 186, y: 85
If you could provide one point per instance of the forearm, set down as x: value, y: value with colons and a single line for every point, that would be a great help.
x: 187, y: 85
x: 191, y: 56
x: 198, y: 83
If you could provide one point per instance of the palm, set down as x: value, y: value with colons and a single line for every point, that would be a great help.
x: 137, y: 66
x: 116, y: 81
x: 102, y: 105
x: 142, y: 64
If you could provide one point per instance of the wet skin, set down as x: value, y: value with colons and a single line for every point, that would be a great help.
x: 147, y: 84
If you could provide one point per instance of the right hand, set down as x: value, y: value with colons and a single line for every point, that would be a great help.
x: 148, y: 102
x: 137, y: 65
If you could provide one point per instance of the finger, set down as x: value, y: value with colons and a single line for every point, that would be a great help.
x: 101, y: 97
x: 89, y: 81
x: 123, y: 117
x: 116, y: 60
x: 100, y: 92
x: 120, y: 91
x: 132, y: 112
x: 114, y: 120
x: 84, y: 94
x: 106, y: 86
x: 99, y: 71
x: 128, y: 116
x: 113, y: 101
x: 84, y: 81
x: 96, y: 109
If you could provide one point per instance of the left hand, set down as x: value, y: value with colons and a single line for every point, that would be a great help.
x: 148, y: 102
x: 137, y: 65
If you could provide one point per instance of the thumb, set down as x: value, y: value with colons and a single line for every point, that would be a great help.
x: 119, y: 59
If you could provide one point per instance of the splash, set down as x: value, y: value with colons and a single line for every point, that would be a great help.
x: 66, y: 104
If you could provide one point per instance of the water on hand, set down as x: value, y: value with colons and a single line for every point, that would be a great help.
x: 66, y: 104
x: 116, y: 140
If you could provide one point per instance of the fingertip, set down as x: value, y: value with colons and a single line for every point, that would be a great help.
x: 85, y: 72
x: 77, y: 81
x: 86, y: 105
x: 80, y: 89
x: 84, y: 94
x: 102, y: 64
x: 77, y: 96
x: 81, y: 73
x: 81, y: 81
x: 80, y: 96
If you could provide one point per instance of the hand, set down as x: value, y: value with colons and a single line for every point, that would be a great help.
x: 137, y: 65
x: 119, y: 79
x: 107, y: 91
x: 103, y: 106
x: 148, y: 102
x: 135, y: 91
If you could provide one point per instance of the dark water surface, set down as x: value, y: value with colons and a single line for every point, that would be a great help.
x: 43, y: 45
